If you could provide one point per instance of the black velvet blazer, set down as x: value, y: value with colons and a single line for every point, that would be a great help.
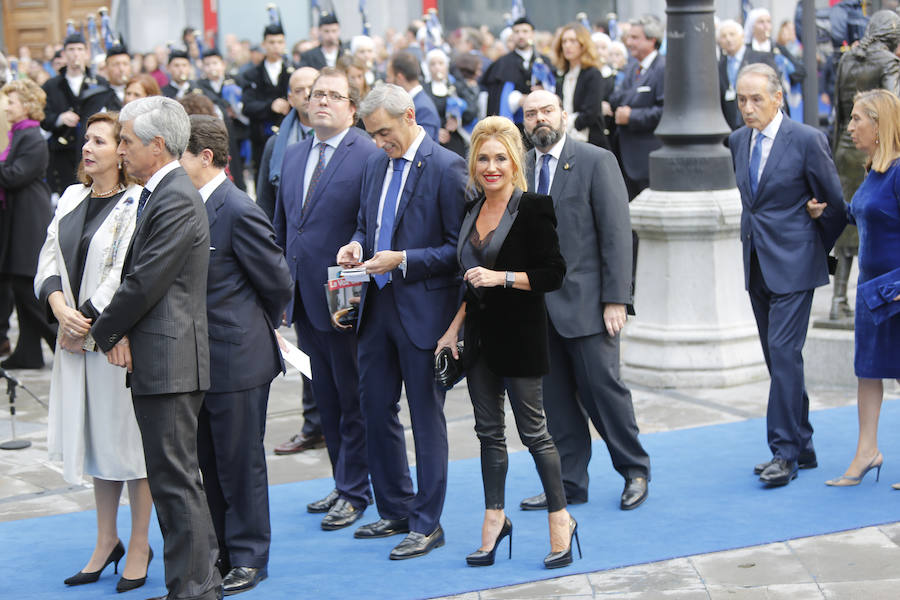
x: 509, y: 326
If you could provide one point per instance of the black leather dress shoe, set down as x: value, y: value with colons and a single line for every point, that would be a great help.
x: 417, y: 544
x: 634, y: 494
x: 241, y: 579
x: 325, y: 504
x: 779, y: 472
x: 806, y: 460
x: 538, y: 502
x: 342, y: 514
x: 382, y: 528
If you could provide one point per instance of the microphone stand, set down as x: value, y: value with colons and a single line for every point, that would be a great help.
x: 11, y: 384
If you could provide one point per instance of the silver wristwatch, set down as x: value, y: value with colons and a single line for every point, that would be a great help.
x: 510, y: 279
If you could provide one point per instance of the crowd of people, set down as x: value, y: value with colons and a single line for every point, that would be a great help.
x: 481, y: 186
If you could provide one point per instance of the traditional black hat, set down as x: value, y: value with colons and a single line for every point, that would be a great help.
x: 328, y: 18
x: 74, y: 38
x: 523, y: 21
x: 273, y: 29
x: 117, y: 49
x: 176, y: 53
x: 212, y: 52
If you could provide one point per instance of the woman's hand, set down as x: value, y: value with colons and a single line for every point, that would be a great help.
x: 449, y: 340
x: 815, y: 208
x: 71, y: 344
x: 481, y: 277
x: 71, y: 322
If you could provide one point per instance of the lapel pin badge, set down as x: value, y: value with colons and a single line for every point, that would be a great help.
x: 419, y: 165
x: 566, y: 167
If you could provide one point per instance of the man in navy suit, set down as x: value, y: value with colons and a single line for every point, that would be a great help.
x: 247, y: 289
x: 409, y: 220
x: 638, y: 103
x: 735, y: 55
x: 403, y: 70
x: 315, y: 211
x: 779, y: 165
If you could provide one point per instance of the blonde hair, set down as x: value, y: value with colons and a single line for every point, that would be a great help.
x: 504, y: 131
x: 883, y: 108
x: 32, y: 96
x: 589, y: 55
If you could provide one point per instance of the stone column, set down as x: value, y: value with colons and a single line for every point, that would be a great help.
x: 694, y: 326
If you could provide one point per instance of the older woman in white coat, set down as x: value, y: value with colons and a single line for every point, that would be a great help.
x: 92, y: 427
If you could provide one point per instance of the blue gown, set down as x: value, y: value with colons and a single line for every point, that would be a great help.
x: 875, y: 210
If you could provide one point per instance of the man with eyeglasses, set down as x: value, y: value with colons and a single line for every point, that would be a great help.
x: 315, y: 211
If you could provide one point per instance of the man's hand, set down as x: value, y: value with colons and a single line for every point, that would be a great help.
x: 481, y: 277
x: 281, y: 106
x: 606, y: 108
x: 443, y: 136
x: 815, y: 208
x: 349, y: 255
x: 281, y: 342
x: 452, y: 124
x: 623, y: 115
x: 614, y: 316
x: 120, y: 355
x: 69, y: 118
x: 383, y: 262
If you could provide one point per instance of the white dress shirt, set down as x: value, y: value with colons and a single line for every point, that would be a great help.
x: 331, y: 145
x: 273, y: 70
x: 212, y: 185
x: 554, y: 153
x: 770, y: 131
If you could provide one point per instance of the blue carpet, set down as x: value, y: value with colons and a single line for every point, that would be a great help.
x: 703, y: 499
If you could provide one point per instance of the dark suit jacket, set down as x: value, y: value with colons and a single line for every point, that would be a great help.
x: 60, y: 99
x: 508, y: 326
x: 427, y: 114
x: 258, y: 95
x: 507, y: 68
x: 591, y: 89
x: 311, y: 237
x: 595, y: 237
x: 730, y: 107
x: 316, y: 59
x: 644, y: 94
x: 429, y: 213
x: 161, y: 304
x: 791, y: 246
x: 247, y: 289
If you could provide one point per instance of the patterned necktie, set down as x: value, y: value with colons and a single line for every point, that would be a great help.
x: 142, y: 202
x: 317, y: 173
x: 544, y: 175
x: 755, y: 159
x: 388, y: 213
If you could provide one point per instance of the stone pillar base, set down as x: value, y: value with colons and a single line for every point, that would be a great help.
x: 694, y: 326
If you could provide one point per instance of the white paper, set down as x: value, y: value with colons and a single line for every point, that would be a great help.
x: 355, y: 275
x: 295, y: 357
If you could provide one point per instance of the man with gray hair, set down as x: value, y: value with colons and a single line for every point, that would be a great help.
x: 410, y: 213
x: 780, y: 165
x: 155, y: 326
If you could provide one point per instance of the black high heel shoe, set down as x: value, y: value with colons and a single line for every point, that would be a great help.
x: 81, y: 577
x: 555, y: 560
x: 125, y: 585
x: 485, y: 558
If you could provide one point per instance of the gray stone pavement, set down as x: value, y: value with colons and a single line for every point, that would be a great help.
x: 862, y: 563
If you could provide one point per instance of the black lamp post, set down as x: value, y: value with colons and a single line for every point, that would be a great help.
x: 692, y: 127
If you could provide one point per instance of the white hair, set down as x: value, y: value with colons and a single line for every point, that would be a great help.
x: 598, y: 36
x: 728, y: 24
x: 159, y: 116
x: 437, y: 53
x: 752, y: 17
x: 361, y: 41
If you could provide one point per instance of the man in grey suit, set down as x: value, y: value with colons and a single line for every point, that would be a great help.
x: 589, y: 310
x: 155, y: 326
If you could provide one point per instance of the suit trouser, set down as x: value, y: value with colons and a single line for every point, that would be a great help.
x: 387, y: 360
x: 333, y: 359
x: 168, y: 425
x: 33, y: 323
x: 782, y: 321
x: 487, y: 392
x: 230, y: 432
x: 584, y: 383
x: 312, y: 421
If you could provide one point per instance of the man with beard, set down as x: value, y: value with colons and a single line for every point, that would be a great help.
x: 589, y: 310
x: 508, y: 79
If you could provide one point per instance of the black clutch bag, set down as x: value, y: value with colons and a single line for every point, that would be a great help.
x: 448, y: 370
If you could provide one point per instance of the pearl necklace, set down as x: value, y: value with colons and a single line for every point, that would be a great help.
x: 118, y: 188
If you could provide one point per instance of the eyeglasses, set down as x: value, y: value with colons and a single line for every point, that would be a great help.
x: 333, y: 96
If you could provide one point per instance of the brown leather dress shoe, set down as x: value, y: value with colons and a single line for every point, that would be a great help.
x: 299, y: 443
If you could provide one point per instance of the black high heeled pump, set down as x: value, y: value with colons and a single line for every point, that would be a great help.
x: 485, y: 558
x: 81, y: 577
x: 555, y: 560
x: 125, y: 585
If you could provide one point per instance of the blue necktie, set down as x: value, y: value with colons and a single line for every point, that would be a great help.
x: 388, y: 213
x: 732, y: 70
x: 544, y: 175
x: 755, y: 158
x: 142, y: 202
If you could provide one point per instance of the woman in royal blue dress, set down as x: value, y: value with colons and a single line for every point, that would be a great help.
x: 875, y: 210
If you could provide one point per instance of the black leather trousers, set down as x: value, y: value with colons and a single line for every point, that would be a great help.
x: 526, y: 398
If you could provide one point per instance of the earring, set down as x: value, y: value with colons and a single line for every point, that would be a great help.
x: 120, y: 165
